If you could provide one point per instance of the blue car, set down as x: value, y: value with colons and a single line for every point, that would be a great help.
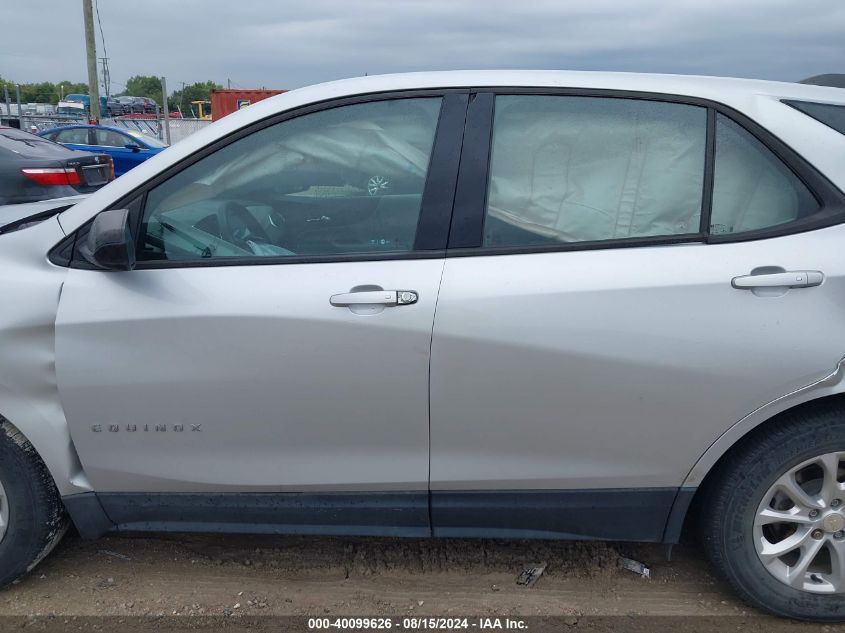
x: 126, y: 147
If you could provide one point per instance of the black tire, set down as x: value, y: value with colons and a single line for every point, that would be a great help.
x: 732, y: 497
x: 37, y: 520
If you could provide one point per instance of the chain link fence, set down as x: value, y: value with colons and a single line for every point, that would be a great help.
x: 179, y: 128
x: 153, y: 126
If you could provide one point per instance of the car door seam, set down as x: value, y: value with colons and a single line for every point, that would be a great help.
x: 430, y: 345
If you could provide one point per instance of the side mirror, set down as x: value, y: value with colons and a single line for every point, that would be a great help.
x: 133, y: 146
x: 110, y: 245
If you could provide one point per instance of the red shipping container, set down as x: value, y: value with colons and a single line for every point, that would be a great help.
x: 225, y: 102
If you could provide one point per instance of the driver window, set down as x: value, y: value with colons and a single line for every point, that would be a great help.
x: 347, y: 180
x: 109, y: 138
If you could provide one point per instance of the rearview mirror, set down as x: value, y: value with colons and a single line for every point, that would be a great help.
x: 133, y: 146
x: 110, y: 245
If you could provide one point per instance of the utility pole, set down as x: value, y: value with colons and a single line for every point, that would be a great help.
x: 91, y: 51
x: 166, y: 111
x: 106, y: 76
x: 20, y: 106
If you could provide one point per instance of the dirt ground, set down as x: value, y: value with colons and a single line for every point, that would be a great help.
x: 231, y: 581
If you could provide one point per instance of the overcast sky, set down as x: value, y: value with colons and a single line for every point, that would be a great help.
x: 286, y: 44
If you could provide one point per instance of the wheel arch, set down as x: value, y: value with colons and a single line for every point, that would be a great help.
x: 826, y: 392
x: 830, y: 386
x: 51, y: 443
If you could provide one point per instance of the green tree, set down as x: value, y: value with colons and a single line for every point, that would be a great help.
x: 70, y: 87
x: 44, y: 91
x: 199, y: 91
x: 144, y: 86
x: 48, y: 92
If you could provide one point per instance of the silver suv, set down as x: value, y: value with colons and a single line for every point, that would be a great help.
x: 491, y: 304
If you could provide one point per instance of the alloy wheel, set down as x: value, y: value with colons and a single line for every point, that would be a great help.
x: 799, y: 527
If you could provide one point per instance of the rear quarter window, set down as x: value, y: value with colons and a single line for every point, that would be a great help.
x: 830, y: 114
x: 752, y: 188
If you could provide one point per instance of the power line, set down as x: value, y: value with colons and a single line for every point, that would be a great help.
x: 105, y: 58
x: 100, y: 24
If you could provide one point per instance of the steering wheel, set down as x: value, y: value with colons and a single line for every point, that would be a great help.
x: 239, y: 227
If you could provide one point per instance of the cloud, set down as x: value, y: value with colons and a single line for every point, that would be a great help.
x: 288, y: 44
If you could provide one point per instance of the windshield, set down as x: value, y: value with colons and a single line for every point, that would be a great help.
x: 152, y: 141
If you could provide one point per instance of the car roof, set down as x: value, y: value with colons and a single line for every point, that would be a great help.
x: 686, y: 85
x: 741, y: 94
x: 79, y: 125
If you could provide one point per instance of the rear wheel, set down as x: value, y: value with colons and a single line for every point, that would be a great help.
x: 774, y: 518
x: 32, y: 518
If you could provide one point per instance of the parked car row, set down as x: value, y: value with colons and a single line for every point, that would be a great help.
x: 67, y: 160
x: 117, y: 106
x: 127, y: 148
x: 138, y: 105
x: 34, y: 168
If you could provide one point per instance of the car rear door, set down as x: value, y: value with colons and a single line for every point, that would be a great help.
x: 77, y: 138
x: 629, y: 278
x: 275, y: 335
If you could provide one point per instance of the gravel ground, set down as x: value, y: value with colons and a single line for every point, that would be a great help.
x: 239, y: 582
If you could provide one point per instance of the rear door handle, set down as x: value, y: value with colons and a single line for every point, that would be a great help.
x: 790, y: 279
x: 375, y: 297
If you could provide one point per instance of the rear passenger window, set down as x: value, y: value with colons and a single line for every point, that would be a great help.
x: 574, y: 169
x: 752, y: 188
x: 76, y: 136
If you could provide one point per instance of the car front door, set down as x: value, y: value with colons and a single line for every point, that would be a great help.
x: 115, y: 145
x: 590, y: 342
x: 275, y: 334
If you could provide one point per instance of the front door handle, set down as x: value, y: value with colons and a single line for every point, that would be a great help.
x: 789, y: 279
x: 375, y: 297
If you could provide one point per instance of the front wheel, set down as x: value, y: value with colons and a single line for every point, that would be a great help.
x: 32, y: 518
x: 773, y: 520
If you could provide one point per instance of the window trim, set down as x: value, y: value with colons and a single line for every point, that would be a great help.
x: 591, y: 245
x: 467, y: 225
x: 438, y: 196
x: 466, y: 237
x: 831, y: 199
x: 709, y: 173
x: 435, y: 210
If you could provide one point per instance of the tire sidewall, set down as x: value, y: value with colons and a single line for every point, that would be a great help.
x: 26, y: 518
x: 758, y: 585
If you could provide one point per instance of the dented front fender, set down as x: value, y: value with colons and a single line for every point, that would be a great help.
x: 30, y: 288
